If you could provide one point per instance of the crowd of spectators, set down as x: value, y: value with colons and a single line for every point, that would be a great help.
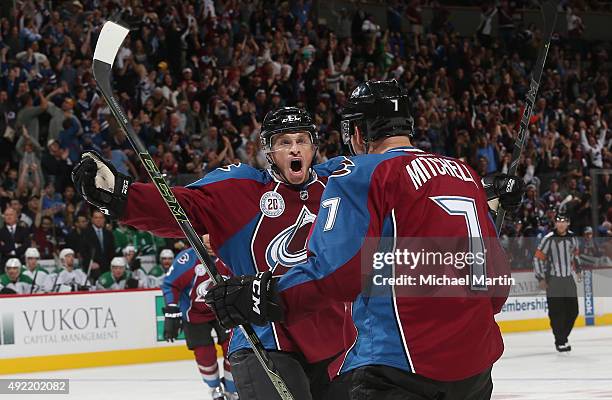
x: 197, y: 77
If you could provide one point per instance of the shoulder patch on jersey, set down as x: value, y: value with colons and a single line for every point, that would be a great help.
x: 272, y: 204
x: 328, y: 167
x: 345, y: 167
x: 200, y: 270
x: 183, y: 258
x: 232, y: 171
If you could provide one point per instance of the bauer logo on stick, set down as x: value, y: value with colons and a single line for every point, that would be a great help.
x: 272, y: 204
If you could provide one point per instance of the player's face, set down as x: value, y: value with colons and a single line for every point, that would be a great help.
x: 117, y: 271
x: 292, y: 153
x: 166, y: 262
x: 12, y: 272
x: 31, y: 263
x: 69, y: 261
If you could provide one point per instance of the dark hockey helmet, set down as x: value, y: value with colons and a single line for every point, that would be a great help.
x: 285, y: 120
x: 380, y: 109
x: 561, y: 217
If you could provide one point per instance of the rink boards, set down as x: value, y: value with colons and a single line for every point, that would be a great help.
x: 79, y: 330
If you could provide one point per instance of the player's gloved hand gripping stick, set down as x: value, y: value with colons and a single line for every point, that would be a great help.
x: 109, y: 42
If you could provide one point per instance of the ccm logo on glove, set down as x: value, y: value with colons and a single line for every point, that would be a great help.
x: 256, y: 296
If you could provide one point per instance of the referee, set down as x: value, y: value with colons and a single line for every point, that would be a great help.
x: 555, y: 257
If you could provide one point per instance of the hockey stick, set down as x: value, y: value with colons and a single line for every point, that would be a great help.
x: 91, y: 261
x: 549, y: 14
x: 33, y: 280
x: 109, y: 42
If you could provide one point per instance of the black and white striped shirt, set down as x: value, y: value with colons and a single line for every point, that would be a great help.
x: 556, y: 255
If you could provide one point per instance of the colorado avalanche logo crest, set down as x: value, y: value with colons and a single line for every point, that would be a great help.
x: 288, y: 248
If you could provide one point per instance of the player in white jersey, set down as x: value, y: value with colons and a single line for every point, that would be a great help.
x: 138, y: 276
x: 12, y: 281
x: 41, y: 281
x: 69, y: 278
x: 117, y: 278
x: 159, y: 271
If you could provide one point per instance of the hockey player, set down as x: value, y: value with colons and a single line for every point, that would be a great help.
x: 405, y: 346
x: 13, y: 281
x: 117, y: 278
x: 257, y: 220
x: 41, y: 281
x: 158, y: 272
x: 138, y: 277
x: 184, y: 289
x: 68, y: 278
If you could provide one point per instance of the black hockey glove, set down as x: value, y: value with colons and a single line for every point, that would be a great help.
x: 508, y: 189
x: 98, y: 181
x: 172, y: 322
x: 131, y: 283
x: 245, y: 299
x: 135, y: 264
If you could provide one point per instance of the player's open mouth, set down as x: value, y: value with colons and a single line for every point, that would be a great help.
x: 296, y: 165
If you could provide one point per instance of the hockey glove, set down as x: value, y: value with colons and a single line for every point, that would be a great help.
x: 99, y: 182
x: 131, y: 283
x: 245, y: 299
x: 172, y: 322
x: 508, y: 189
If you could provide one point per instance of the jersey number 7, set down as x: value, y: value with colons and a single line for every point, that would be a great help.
x: 466, y: 207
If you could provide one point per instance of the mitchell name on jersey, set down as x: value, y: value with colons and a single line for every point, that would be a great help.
x: 422, y: 169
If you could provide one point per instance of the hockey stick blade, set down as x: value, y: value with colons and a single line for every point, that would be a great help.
x: 109, y: 43
x: 549, y: 14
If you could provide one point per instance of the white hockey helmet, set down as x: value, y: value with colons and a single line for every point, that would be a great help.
x: 13, y: 263
x: 118, y: 262
x: 32, y: 252
x: 128, y: 249
x: 166, y: 253
x: 64, y: 252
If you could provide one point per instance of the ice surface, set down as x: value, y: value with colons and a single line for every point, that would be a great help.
x: 530, y: 369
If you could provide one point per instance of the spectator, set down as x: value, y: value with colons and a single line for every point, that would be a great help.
x: 593, y: 146
x: 56, y: 165
x: 28, y: 115
x: 52, y: 204
x: 100, y: 246
x: 14, y: 239
x: 60, y: 115
x: 46, y: 238
x: 32, y: 210
x: 30, y: 152
x: 22, y: 218
x: 119, y: 160
x: 77, y: 239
